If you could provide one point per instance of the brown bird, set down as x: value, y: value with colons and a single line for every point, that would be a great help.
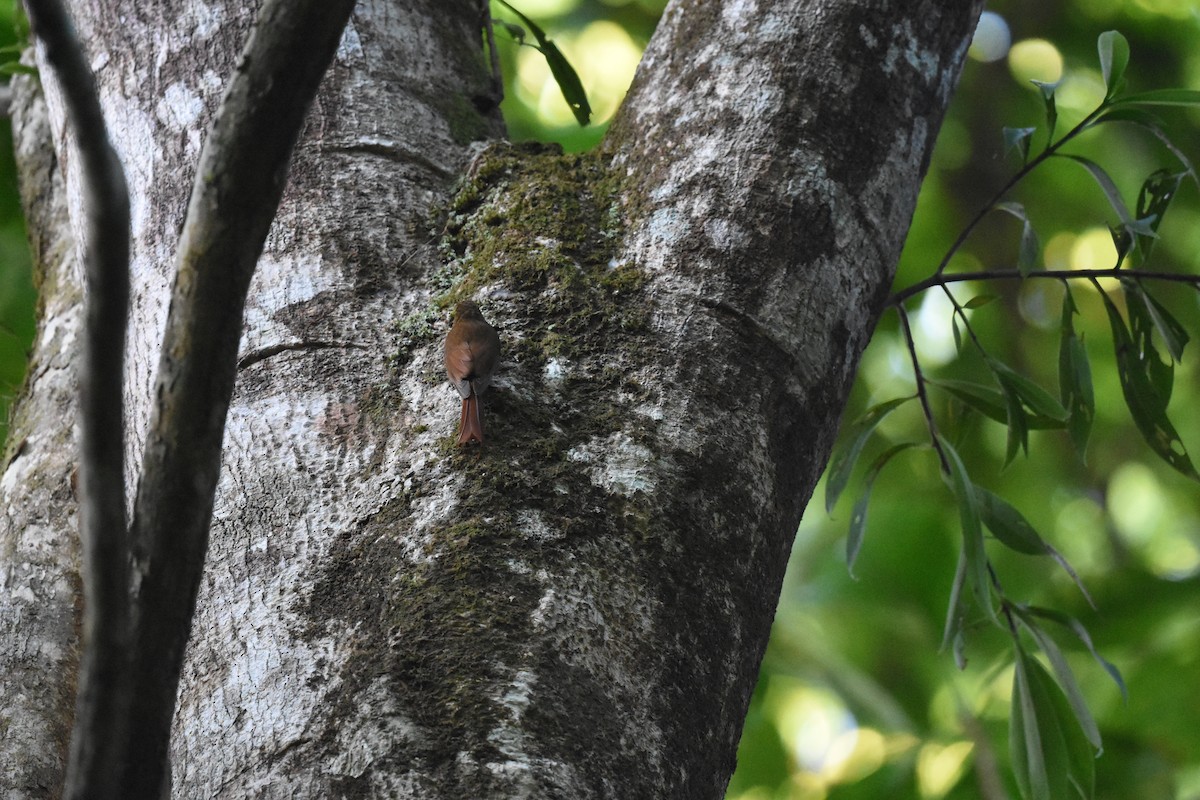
x: 472, y: 353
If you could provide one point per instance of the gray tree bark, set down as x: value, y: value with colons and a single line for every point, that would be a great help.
x: 578, y: 608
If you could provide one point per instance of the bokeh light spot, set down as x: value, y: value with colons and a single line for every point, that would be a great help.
x: 992, y: 38
x: 1035, y: 59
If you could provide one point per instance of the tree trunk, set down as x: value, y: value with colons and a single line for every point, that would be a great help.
x: 577, y: 608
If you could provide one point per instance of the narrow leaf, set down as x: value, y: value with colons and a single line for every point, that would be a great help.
x: 1076, y: 627
x: 1161, y: 97
x: 514, y: 30
x: 1012, y: 530
x: 1111, y: 193
x: 1025, y: 737
x: 955, y: 613
x: 972, y: 527
x: 1122, y: 243
x: 990, y: 402
x: 1075, y: 379
x: 1030, y: 250
x: 1145, y: 403
x: 1017, y: 421
x: 1038, y: 399
x: 1174, y: 335
x: 1147, y: 121
x: 564, y: 74
x: 1066, y: 680
x: 1027, y: 255
x: 842, y: 463
x: 979, y: 301
x: 1114, y: 58
x: 858, y: 518
x: 1048, y: 91
x: 1069, y: 757
x: 1018, y: 139
x: 568, y: 82
x: 17, y: 68
x: 1008, y: 525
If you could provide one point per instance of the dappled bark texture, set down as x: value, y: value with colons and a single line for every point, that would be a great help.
x: 39, y: 546
x: 578, y: 608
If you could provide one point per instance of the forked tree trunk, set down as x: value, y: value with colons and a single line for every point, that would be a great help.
x: 578, y: 608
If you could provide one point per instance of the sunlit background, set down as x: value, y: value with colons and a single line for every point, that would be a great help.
x: 855, y: 700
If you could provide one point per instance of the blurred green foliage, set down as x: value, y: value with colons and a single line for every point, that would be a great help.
x: 17, y: 296
x: 855, y: 700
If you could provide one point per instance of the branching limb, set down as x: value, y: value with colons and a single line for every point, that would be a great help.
x: 103, y: 697
x: 1057, y: 274
x: 1050, y: 151
x: 239, y: 182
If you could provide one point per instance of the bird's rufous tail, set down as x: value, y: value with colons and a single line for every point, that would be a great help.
x: 470, y: 426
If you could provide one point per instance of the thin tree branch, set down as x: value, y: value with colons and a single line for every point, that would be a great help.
x: 103, y: 696
x: 1050, y: 151
x: 1060, y: 274
x: 238, y: 185
x: 922, y: 395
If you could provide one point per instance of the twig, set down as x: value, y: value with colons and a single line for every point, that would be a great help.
x: 1059, y: 274
x: 239, y: 181
x: 103, y: 697
x: 922, y: 395
x: 1050, y: 151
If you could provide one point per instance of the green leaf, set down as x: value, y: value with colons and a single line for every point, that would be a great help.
x: 1147, y: 121
x: 1173, y: 335
x: 979, y: 301
x: 1075, y: 379
x: 1049, y: 750
x: 1122, y: 243
x: 956, y: 613
x: 1065, y: 677
x: 1161, y: 97
x: 1035, y: 397
x: 858, y: 518
x: 1036, y: 779
x: 1153, y: 200
x: 1030, y: 250
x: 1009, y: 526
x: 513, y: 30
x: 990, y: 402
x: 1019, y: 139
x: 1018, y: 424
x: 1114, y: 58
x: 1048, y: 90
x: 568, y: 82
x: 1076, y: 627
x: 1020, y: 392
x: 957, y: 334
x: 17, y: 68
x: 1143, y: 397
x: 1112, y: 194
x: 1062, y: 732
x: 842, y: 463
x: 564, y: 74
x: 972, y: 529
x: 1014, y: 531
x: 1160, y: 371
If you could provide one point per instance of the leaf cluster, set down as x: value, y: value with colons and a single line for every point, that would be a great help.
x: 1053, y: 736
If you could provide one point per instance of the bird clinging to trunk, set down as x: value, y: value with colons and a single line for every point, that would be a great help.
x: 472, y: 353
